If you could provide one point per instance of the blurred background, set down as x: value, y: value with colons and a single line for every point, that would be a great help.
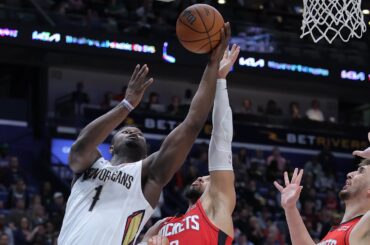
x: 295, y: 103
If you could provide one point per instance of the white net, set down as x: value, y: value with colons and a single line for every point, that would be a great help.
x: 331, y: 18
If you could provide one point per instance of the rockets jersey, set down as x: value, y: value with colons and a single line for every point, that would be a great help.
x: 193, y: 228
x: 106, y: 206
x: 339, y: 235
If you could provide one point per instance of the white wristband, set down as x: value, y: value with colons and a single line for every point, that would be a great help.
x: 127, y: 105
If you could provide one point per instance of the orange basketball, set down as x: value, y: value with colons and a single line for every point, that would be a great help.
x: 198, y: 28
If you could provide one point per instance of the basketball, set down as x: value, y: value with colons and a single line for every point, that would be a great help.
x: 198, y: 28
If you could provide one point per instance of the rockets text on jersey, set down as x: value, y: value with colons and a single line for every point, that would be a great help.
x: 194, y: 227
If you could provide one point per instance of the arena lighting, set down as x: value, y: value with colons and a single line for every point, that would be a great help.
x: 298, y: 68
x: 366, y: 11
x: 221, y: 1
x: 46, y: 36
x: 132, y: 47
x: 6, y: 32
x: 165, y: 56
x: 251, y: 62
x: 353, y: 75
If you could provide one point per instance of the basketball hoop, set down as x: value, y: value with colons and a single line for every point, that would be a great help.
x: 331, y: 18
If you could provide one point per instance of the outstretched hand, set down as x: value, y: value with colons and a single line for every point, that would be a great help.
x: 158, y: 240
x: 228, y: 61
x: 219, y: 51
x: 365, y: 153
x: 137, y: 85
x: 290, y: 194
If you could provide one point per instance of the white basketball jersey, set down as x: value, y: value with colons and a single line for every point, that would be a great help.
x: 106, y: 206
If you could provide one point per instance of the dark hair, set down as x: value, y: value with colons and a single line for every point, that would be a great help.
x: 365, y: 162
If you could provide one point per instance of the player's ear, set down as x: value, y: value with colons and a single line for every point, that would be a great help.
x: 111, y: 149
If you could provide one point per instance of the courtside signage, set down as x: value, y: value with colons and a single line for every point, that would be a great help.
x: 353, y: 75
x: 6, y: 32
x: 270, y: 64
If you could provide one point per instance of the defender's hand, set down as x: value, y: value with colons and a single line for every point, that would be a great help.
x: 364, y: 153
x: 137, y: 85
x: 228, y: 61
x: 158, y: 240
x: 219, y: 51
x: 290, y: 194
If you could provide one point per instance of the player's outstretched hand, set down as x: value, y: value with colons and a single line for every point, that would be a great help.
x: 365, y: 153
x: 228, y: 61
x: 158, y: 240
x: 137, y: 85
x: 290, y: 194
x: 219, y: 51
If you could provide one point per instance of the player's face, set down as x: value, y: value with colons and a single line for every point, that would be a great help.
x: 129, y: 137
x: 200, y: 184
x: 357, y: 184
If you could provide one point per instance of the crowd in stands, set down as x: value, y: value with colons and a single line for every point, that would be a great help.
x: 146, y: 13
x: 33, y: 213
x: 29, y: 214
x: 178, y: 106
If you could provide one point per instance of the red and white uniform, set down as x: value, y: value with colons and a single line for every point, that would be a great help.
x: 193, y: 228
x: 339, y: 235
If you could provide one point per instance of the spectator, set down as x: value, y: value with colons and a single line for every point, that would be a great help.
x: 38, y: 215
x: 6, y: 232
x: 79, y: 98
x: 259, y: 158
x: 23, y: 233
x: 326, y: 158
x: 243, y: 157
x: 4, y: 239
x: 313, y: 166
x: 46, y: 194
x: 35, y: 200
x: 18, y: 191
x: 274, y: 236
x: 153, y: 103
x: 57, y: 210
x: 242, y: 240
x: 295, y: 112
x: 188, y: 96
x: 280, y: 160
x: 38, y: 235
x: 174, y: 107
x: 272, y: 109
x: 50, y: 234
x: 331, y: 201
x: 107, y: 102
x: 255, y: 233
x: 13, y: 172
x: 314, y: 113
x: 18, y: 212
x: 246, y: 107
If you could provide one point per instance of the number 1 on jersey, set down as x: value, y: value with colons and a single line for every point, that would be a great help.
x: 96, y: 197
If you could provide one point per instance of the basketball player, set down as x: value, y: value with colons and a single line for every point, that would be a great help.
x: 211, y: 198
x: 355, y: 226
x: 111, y: 200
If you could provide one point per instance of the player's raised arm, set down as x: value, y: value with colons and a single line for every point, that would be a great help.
x: 220, y: 194
x: 289, y: 197
x: 84, y: 150
x: 163, y: 164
